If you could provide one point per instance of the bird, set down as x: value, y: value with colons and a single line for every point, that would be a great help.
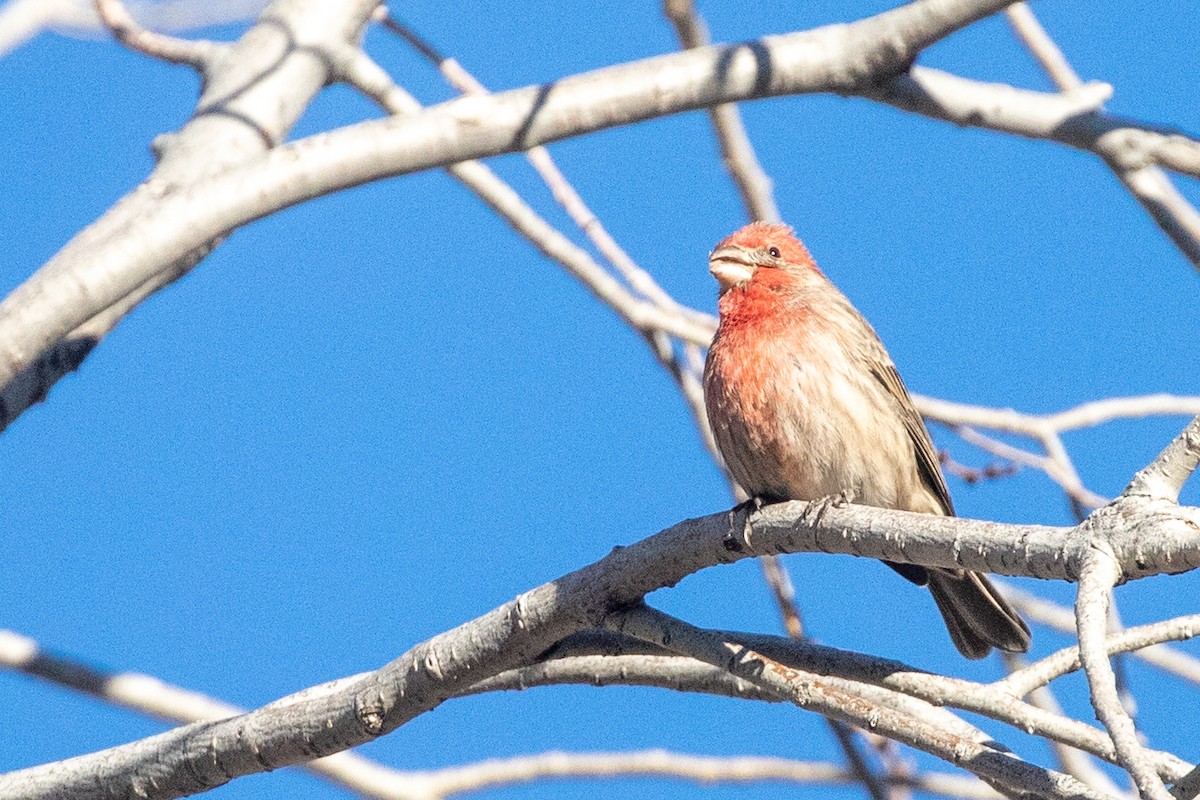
x: 805, y: 403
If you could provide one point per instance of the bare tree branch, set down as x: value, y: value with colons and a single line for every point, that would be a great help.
x: 1004, y: 772
x: 736, y: 151
x: 1147, y: 537
x: 1132, y: 149
x: 1166, y: 474
x: 1098, y: 576
x: 194, y: 53
x: 659, y: 763
x: 1076, y: 763
x: 1144, y: 646
x: 98, y: 268
x: 1042, y: 47
x: 250, y: 99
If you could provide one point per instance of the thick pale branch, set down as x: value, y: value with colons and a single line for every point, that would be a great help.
x: 104, y: 264
x: 31, y: 386
x: 198, y: 757
x: 252, y: 96
x: 1148, y: 536
x: 1132, y: 149
x: 100, y: 267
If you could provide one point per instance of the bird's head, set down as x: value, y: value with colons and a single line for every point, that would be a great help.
x: 761, y: 253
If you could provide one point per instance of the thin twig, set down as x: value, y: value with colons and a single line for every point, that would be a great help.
x: 1046, y: 430
x: 1071, y: 760
x: 737, y: 153
x: 196, y: 53
x: 1066, y: 477
x: 1165, y: 475
x: 1148, y: 183
x: 1042, y: 47
x: 1098, y: 412
x: 831, y: 698
x: 971, y: 475
x: 1181, y: 665
x: 846, y: 737
x: 561, y: 189
x: 357, y: 69
x: 660, y: 763
x: 784, y: 592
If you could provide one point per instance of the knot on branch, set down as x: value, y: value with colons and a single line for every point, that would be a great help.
x: 1128, y: 149
x: 1147, y: 536
x: 879, y: 60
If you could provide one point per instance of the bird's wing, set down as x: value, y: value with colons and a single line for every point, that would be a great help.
x: 927, y: 459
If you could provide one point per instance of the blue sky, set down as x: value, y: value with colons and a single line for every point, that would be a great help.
x: 370, y: 418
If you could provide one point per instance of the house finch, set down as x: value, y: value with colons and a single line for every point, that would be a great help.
x: 805, y: 403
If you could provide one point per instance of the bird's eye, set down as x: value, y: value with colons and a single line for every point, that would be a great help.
x: 773, y: 252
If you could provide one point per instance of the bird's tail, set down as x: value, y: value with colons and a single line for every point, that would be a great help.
x: 977, y: 617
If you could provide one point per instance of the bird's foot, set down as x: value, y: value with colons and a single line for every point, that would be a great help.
x: 817, y: 508
x: 737, y: 539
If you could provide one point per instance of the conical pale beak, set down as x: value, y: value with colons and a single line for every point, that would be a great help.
x: 730, y: 267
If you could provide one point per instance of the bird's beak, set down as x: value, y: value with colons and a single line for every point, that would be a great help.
x: 731, y: 266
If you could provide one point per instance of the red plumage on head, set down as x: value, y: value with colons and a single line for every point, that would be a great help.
x: 767, y: 235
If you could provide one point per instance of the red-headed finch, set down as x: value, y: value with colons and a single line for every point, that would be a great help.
x: 805, y: 403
